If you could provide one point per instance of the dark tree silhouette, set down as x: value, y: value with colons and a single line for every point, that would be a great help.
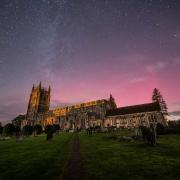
x: 27, y: 130
x: 157, y: 97
x: 49, y: 130
x: 37, y: 129
x: 17, y: 129
x: 56, y: 127
x: 1, y: 130
x: 112, y: 101
x: 9, y: 129
x: 160, y: 129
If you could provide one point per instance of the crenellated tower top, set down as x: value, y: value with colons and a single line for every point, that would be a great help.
x: 39, y: 101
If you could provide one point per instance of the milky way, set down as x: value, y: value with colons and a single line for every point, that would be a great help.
x: 87, y: 49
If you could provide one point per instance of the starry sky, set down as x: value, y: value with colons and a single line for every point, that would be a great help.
x: 87, y: 49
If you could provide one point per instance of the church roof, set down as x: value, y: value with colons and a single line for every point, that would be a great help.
x: 149, y: 107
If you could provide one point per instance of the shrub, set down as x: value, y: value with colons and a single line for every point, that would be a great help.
x: 1, y: 130
x: 27, y: 130
x: 56, y: 127
x: 172, y: 131
x: 174, y: 124
x: 97, y: 129
x: 172, y: 128
x: 178, y: 123
x: 9, y: 129
x: 37, y: 129
x: 49, y: 130
x: 160, y: 129
x: 17, y: 129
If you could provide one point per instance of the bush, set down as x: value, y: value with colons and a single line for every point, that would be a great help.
x: 174, y: 124
x: 178, y: 123
x: 172, y: 131
x: 49, y: 130
x: 160, y: 129
x: 27, y: 130
x: 17, y: 129
x: 173, y: 128
x: 97, y: 129
x: 9, y: 129
x: 1, y: 130
x: 56, y: 127
x: 37, y: 129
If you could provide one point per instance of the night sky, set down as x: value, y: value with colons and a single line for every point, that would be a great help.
x: 87, y: 49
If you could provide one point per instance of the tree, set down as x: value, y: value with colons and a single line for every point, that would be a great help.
x: 27, y: 130
x: 17, y: 120
x: 157, y: 97
x: 1, y: 130
x: 9, y: 129
x: 178, y: 123
x: 49, y: 130
x: 17, y: 129
x: 112, y: 102
x: 37, y: 129
x: 160, y: 129
x: 56, y: 127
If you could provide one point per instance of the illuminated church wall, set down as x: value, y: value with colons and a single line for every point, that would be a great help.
x: 102, y: 113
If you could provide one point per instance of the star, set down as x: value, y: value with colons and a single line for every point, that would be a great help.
x: 174, y: 35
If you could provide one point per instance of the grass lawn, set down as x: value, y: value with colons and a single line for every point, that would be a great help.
x: 104, y: 158
x: 107, y: 158
x: 34, y: 157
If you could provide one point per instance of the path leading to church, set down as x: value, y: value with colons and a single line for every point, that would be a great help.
x: 75, y: 166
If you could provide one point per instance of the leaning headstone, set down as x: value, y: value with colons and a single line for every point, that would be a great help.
x: 127, y: 138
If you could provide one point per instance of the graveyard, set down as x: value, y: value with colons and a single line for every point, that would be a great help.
x: 100, y: 156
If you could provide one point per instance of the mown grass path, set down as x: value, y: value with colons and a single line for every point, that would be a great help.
x: 74, y: 169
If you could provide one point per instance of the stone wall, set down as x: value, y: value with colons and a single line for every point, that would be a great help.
x: 134, y: 120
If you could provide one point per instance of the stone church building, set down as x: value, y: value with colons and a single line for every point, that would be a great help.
x: 135, y: 116
x: 103, y: 113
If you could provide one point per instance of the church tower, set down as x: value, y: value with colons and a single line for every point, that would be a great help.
x: 39, y: 101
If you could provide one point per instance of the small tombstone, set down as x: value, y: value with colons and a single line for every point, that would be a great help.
x: 127, y: 138
x: 17, y: 136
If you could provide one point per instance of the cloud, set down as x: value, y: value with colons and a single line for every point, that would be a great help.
x: 175, y: 106
x: 176, y: 61
x: 137, y: 79
x: 10, y: 109
x: 158, y: 66
x: 56, y: 103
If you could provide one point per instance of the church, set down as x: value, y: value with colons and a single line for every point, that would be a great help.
x: 102, y: 113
